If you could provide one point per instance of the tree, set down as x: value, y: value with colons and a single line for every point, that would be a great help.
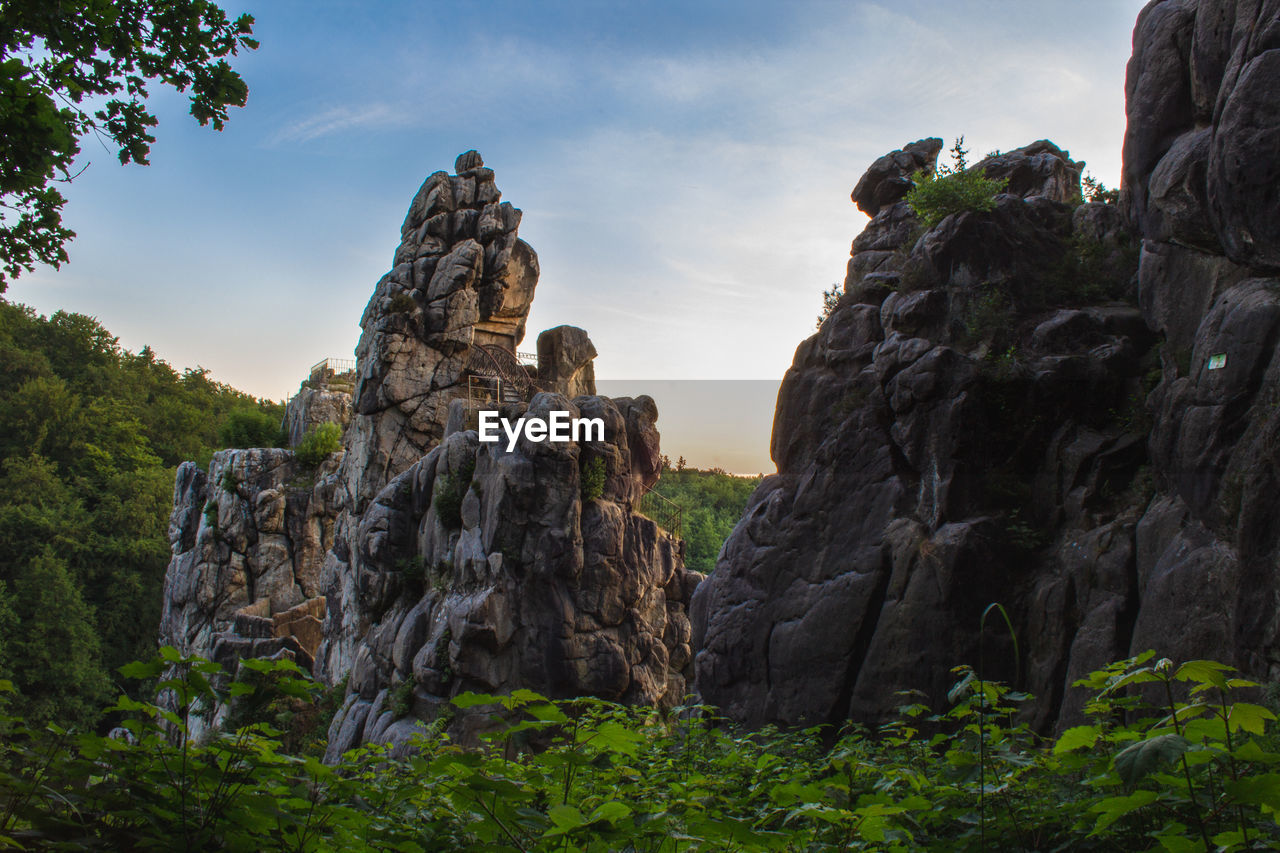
x: 955, y: 189
x: 830, y: 299
x: 54, y: 656
x: 77, y: 67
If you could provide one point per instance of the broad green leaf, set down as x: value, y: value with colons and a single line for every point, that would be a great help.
x: 1252, y: 718
x: 565, y: 817
x: 1260, y: 790
x: 1112, y: 809
x: 1180, y: 844
x: 141, y: 670
x: 1076, y: 737
x: 615, y: 737
x: 1205, y: 672
x: 610, y: 812
x: 471, y: 700
x: 1137, y: 760
x: 547, y: 713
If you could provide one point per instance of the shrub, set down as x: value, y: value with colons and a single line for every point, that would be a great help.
x: 592, y: 477
x: 450, y: 492
x: 1092, y: 189
x: 318, y: 443
x: 400, y: 699
x: 1194, y: 771
x: 245, y: 428
x: 402, y: 303
x: 955, y: 189
x: 830, y: 299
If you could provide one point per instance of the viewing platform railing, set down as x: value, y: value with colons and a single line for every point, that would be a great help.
x: 667, y: 513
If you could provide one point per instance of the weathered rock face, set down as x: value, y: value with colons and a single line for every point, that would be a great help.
x: 311, y: 407
x: 1113, y: 495
x: 889, y: 178
x: 566, y: 361
x: 423, y: 565
x: 943, y: 432
x: 461, y: 276
x: 1203, y: 182
x: 249, y: 540
x: 483, y: 569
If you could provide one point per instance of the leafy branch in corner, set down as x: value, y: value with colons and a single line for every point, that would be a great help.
x: 79, y: 67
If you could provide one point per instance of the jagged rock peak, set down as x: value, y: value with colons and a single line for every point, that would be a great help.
x: 983, y: 418
x: 462, y: 279
x: 889, y: 178
x: 948, y: 399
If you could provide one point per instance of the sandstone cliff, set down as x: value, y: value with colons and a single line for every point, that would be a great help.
x: 419, y: 561
x: 987, y: 417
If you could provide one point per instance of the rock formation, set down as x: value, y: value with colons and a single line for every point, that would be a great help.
x: 249, y: 540
x: 421, y: 562
x: 488, y: 569
x: 977, y: 422
x: 311, y: 407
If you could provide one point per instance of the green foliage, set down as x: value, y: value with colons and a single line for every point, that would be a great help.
x: 400, y: 699
x: 1093, y: 190
x: 1087, y: 273
x: 989, y: 316
x: 449, y: 492
x: 318, y: 443
x: 1193, y: 771
x: 713, y: 502
x: 90, y: 436
x: 830, y: 299
x: 955, y: 189
x: 402, y: 303
x: 591, y: 478
x: 77, y: 68
x: 249, y: 427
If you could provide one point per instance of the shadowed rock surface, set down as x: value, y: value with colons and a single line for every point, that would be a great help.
x: 483, y: 569
x: 249, y: 541
x: 986, y: 416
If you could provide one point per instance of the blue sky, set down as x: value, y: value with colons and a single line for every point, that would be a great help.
x: 684, y: 169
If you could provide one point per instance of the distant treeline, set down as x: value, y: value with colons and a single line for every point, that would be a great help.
x: 90, y: 436
x: 712, y: 501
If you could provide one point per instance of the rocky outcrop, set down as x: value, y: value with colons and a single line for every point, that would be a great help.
x: 889, y: 178
x: 1201, y: 180
x: 421, y: 562
x: 484, y: 569
x: 311, y: 407
x: 566, y: 361
x: 948, y: 428
x: 461, y: 277
x: 975, y: 422
x: 249, y: 540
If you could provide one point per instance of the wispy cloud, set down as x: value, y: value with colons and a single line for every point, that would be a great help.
x: 339, y: 119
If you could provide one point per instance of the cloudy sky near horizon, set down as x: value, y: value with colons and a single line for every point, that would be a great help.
x: 684, y: 168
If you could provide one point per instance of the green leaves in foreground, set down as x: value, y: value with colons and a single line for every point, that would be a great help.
x: 1171, y: 759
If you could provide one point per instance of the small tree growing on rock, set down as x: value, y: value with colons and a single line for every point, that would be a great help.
x: 952, y: 189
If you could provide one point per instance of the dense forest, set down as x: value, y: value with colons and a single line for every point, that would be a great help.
x: 90, y: 436
x: 711, y: 503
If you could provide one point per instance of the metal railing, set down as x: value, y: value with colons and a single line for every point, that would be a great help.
x: 328, y: 369
x: 667, y: 513
x: 529, y: 358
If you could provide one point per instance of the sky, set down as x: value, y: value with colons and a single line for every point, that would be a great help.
x: 684, y: 170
